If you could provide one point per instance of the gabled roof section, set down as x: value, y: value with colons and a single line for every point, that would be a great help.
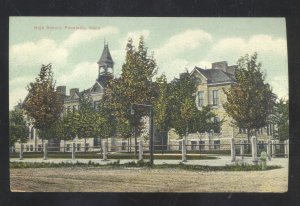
x: 75, y: 96
x: 105, y: 58
x: 216, y: 75
x: 85, y: 92
x: 97, y: 88
x: 198, y: 71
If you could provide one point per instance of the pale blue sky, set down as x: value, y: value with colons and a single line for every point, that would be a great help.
x: 177, y: 43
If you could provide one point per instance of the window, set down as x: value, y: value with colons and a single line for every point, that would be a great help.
x: 68, y: 147
x: 215, y: 97
x: 39, y: 147
x: 180, y: 146
x: 261, y: 145
x: 74, y: 108
x: 96, y: 104
x: 270, y: 129
x: 123, y: 145
x: 31, y: 147
x: 217, y: 129
x: 194, y: 145
x: 78, y: 147
x: 259, y: 131
x: 217, y: 144
x: 242, y: 130
x: 96, y: 141
x: 202, y: 145
x: 200, y: 99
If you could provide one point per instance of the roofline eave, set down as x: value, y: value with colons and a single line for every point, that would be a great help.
x: 198, y: 72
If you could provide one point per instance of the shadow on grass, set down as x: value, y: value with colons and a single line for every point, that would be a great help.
x: 143, y: 164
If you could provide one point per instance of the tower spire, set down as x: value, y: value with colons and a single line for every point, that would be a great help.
x: 106, y: 66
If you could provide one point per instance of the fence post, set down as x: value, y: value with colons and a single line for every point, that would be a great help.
x: 183, y: 147
x: 273, y: 148
x: 242, y: 149
x: 254, y: 149
x: 141, y: 150
x: 73, y: 151
x: 45, y: 151
x: 286, y: 148
x: 232, y: 150
x: 21, y: 151
x: 269, y: 149
x: 105, y: 145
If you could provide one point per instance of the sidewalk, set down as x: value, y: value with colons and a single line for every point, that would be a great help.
x: 221, y: 161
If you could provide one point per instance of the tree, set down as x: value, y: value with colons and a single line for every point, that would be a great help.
x: 134, y: 86
x: 18, y: 129
x: 86, y: 122
x: 181, y: 100
x: 43, y: 104
x: 108, y: 125
x: 280, y: 118
x: 249, y: 100
x: 61, y: 129
x: 185, y: 117
x: 161, y: 104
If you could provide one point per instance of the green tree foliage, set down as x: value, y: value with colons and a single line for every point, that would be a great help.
x: 180, y: 101
x: 61, y: 129
x: 280, y: 118
x: 18, y: 130
x: 85, y: 122
x: 249, y: 100
x: 134, y: 86
x: 161, y: 116
x: 43, y: 104
x: 108, y: 126
x: 185, y: 117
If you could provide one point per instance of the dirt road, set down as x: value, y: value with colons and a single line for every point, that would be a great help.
x: 81, y: 179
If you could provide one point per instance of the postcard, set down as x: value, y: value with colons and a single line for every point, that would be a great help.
x: 148, y: 104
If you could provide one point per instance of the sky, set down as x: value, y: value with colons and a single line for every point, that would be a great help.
x: 74, y: 45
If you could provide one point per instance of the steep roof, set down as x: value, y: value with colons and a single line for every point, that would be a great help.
x: 105, y: 58
x: 216, y: 75
x: 104, y: 79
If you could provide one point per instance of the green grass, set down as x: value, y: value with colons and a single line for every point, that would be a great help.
x: 142, y: 164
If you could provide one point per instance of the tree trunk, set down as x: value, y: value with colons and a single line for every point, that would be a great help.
x: 101, y: 149
x: 135, y: 141
x: 42, y: 144
x: 248, y: 134
x: 129, y: 144
x: 186, y: 132
x: 85, y: 145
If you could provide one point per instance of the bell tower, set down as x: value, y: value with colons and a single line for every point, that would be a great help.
x: 106, y: 66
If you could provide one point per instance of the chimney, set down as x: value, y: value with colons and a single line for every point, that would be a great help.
x: 73, y: 90
x: 231, y: 69
x: 61, y: 89
x: 220, y: 65
x: 183, y: 75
